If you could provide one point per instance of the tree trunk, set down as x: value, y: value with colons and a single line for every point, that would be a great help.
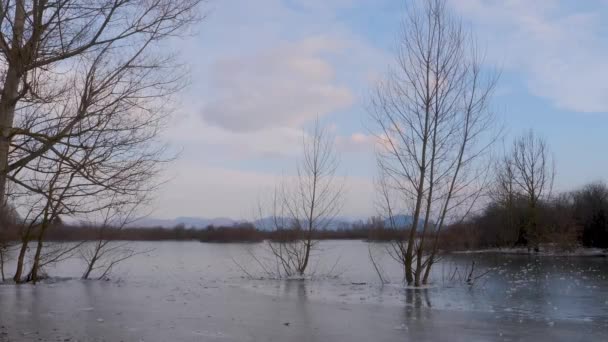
x: 89, y: 269
x: 10, y: 92
x: 20, y: 261
x: 7, y: 114
x: 306, y: 257
x: 409, y: 258
x: 2, y: 263
x: 409, y: 254
x: 427, y: 271
x: 534, y: 233
x: 33, y: 276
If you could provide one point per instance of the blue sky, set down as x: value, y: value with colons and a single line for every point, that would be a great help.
x: 261, y: 71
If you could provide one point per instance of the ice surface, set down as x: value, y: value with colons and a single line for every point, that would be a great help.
x: 189, y: 291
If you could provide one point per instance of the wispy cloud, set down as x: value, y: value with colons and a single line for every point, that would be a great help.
x: 287, y: 85
x: 357, y: 143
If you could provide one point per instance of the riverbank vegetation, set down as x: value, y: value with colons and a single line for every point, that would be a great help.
x: 571, y: 219
x: 242, y: 232
x: 566, y: 220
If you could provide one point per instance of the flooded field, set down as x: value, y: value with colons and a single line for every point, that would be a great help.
x: 190, y: 291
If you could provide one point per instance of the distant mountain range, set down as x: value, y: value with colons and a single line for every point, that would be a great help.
x: 201, y: 223
x: 400, y: 221
x: 264, y: 223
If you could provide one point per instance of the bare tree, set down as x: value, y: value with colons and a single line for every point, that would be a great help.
x: 308, y: 203
x: 55, y: 185
x: 114, y: 156
x: 533, y: 171
x: 102, y: 255
x: 434, y: 129
x: 85, y: 90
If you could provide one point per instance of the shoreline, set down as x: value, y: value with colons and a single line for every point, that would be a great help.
x: 578, y: 252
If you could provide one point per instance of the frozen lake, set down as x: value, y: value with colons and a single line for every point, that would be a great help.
x: 191, y: 291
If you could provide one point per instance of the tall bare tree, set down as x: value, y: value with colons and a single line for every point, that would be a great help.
x: 308, y: 203
x: 434, y: 129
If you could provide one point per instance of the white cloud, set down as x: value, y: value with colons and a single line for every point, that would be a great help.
x: 260, y: 70
x: 357, y: 142
x: 287, y: 85
x: 562, y: 51
x: 195, y: 134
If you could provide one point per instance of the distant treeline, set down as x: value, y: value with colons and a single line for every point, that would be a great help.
x: 566, y: 220
x: 242, y: 232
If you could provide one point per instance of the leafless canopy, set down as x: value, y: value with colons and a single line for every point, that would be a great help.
x: 533, y: 165
x: 79, y: 73
x: 528, y: 172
